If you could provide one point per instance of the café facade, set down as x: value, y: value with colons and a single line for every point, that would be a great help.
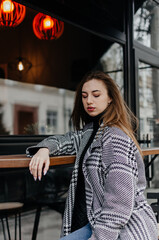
x: 41, y: 66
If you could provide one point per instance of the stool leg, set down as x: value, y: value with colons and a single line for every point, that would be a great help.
x: 8, y: 228
x: 19, y: 226
x: 36, y: 223
x: 4, y: 234
x: 15, y: 226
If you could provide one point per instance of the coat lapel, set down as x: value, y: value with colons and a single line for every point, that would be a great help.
x: 86, y: 135
x: 97, y: 142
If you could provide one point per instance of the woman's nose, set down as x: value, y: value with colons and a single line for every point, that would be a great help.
x: 89, y: 99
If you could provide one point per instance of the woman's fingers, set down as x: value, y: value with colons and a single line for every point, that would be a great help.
x: 43, y: 167
x: 39, y: 169
x: 34, y: 166
x: 38, y: 161
x: 46, y: 168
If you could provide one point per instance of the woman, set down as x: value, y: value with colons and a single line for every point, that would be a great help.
x: 105, y: 199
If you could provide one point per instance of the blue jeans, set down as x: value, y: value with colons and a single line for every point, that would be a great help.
x: 83, y: 233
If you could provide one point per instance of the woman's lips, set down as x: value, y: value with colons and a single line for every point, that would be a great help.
x: 90, y: 109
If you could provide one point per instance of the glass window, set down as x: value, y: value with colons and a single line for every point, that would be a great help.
x: 149, y: 101
x: 112, y: 63
x: 149, y: 118
x: 68, y: 119
x: 51, y: 121
x: 26, y: 109
x: 54, y: 70
x: 146, y: 24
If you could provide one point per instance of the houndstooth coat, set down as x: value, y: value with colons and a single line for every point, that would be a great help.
x: 114, y: 184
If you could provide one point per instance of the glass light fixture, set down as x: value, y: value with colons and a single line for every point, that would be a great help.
x: 20, y: 65
x: 11, y: 13
x: 46, y: 27
x: 48, y: 22
x: 7, y: 6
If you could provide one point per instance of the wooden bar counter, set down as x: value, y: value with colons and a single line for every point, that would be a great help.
x: 150, y: 151
x: 21, y: 161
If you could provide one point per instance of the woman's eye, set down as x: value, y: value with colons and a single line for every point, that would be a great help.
x: 84, y: 96
x: 96, y: 95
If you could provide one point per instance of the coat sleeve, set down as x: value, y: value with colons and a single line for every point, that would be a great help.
x: 66, y: 144
x: 119, y: 189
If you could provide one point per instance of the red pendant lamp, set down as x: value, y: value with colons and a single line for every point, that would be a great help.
x: 46, y: 27
x: 11, y: 13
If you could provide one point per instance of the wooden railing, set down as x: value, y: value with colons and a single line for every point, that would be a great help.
x: 21, y: 161
x: 150, y: 151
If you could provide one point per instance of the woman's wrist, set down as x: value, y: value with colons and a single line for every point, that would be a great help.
x: 44, y: 149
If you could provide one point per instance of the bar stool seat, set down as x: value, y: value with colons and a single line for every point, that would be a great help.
x: 8, y: 209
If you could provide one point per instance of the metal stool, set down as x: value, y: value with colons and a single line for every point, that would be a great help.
x: 7, y: 209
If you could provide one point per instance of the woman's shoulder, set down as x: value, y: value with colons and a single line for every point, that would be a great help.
x: 117, y: 139
x: 118, y: 144
x: 116, y: 133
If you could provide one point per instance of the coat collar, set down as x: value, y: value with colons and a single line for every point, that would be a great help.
x: 97, y: 142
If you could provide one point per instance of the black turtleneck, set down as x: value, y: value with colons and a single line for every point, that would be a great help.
x: 79, y: 218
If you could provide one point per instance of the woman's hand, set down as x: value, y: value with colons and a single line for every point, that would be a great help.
x: 39, y: 162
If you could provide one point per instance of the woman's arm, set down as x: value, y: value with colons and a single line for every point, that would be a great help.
x: 67, y: 144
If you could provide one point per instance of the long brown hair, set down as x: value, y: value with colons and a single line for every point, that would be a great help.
x: 117, y: 113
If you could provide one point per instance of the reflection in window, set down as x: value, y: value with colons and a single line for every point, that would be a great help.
x: 51, y: 121
x: 146, y: 24
x: 3, y: 130
x: 27, y: 95
x: 149, y: 101
x: 149, y: 113
x: 26, y: 109
x: 112, y: 64
x: 141, y: 120
x: 68, y: 113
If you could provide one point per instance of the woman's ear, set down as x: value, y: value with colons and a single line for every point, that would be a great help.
x: 110, y: 100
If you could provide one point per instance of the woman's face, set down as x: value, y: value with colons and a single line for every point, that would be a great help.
x: 95, y: 97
